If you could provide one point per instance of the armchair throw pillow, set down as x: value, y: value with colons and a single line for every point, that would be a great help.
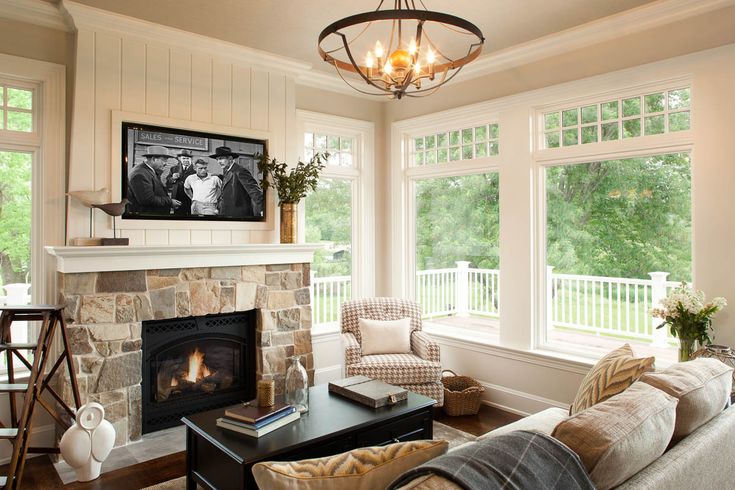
x: 385, y: 336
x: 612, y: 374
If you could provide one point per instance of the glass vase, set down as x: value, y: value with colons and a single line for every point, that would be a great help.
x: 686, y: 348
x: 297, y: 385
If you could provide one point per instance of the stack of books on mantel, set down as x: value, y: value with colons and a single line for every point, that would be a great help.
x: 252, y: 420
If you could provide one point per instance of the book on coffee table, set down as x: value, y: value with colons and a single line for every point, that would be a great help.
x: 235, y: 426
x: 251, y: 413
x: 371, y: 392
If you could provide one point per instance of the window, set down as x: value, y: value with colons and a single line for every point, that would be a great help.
x: 32, y: 163
x: 618, y: 237
x: 452, y: 264
x: 16, y: 108
x: 456, y: 145
x: 457, y: 260
x: 338, y: 214
x: 665, y: 111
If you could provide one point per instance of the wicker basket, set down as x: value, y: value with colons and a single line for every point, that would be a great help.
x: 461, y: 394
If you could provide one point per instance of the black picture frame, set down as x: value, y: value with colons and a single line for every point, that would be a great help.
x: 240, y: 196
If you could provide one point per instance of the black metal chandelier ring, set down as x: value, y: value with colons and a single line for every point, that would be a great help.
x: 397, y: 85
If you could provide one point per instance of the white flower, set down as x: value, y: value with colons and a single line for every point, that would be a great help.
x: 719, y: 303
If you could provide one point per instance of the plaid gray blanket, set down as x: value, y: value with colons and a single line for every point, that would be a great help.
x: 517, y: 460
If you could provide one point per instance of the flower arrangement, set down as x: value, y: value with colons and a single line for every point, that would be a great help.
x: 689, y: 316
x: 294, y: 185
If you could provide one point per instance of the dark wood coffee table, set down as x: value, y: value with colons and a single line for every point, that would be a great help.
x: 220, y: 459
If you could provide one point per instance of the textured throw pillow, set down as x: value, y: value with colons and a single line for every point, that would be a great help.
x: 359, y: 469
x: 385, y: 336
x: 611, y: 375
x: 619, y: 437
x: 702, y: 386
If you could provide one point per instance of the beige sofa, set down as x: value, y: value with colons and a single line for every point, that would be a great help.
x: 702, y: 460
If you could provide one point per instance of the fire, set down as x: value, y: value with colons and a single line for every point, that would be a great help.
x: 197, y: 368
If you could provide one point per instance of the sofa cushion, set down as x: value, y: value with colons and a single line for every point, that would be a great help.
x: 544, y: 421
x: 619, y: 437
x: 397, y: 369
x: 364, y: 468
x: 702, y: 386
x: 612, y: 374
x: 385, y: 336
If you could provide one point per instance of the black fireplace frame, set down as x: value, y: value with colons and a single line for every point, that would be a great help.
x: 160, y: 334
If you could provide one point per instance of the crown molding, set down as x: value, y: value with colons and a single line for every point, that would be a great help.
x: 35, y: 12
x: 628, y: 22
x: 85, y: 17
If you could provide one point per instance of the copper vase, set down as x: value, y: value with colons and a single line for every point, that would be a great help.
x: 289, y: 222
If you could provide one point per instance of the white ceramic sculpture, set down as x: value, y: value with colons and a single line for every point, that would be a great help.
x: 88, y: 442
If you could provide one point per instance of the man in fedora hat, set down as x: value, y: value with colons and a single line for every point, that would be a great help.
x: 146, y: 193
x: 242, y: 197
x: 176, y: 178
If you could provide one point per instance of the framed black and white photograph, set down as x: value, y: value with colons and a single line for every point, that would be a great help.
x: 179, y: 174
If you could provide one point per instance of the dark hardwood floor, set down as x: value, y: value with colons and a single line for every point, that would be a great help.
x: 40, y: 473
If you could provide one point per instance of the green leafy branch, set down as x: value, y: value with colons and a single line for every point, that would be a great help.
x: 294, y: 185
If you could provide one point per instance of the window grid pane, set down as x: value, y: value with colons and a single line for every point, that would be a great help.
x: 16, y: 109
x: 455, y: 145
x: 611, y: 120
x: 340, y: 148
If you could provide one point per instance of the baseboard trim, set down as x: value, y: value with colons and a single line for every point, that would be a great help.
x: 517, y: 402
x: 42, y: 436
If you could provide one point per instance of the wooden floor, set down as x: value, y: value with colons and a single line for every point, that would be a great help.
x: 40, y: 473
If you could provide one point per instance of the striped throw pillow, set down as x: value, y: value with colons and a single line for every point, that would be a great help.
x: 612, y: 374
x: 360, y: 469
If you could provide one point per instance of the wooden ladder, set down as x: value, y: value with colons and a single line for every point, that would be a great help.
x: 39, y: 381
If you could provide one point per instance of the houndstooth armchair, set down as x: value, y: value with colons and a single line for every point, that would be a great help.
x: 419, y: 371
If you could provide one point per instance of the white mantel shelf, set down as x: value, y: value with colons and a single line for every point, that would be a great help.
x: 106, y: 259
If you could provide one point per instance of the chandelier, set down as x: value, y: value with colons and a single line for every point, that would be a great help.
x: 400, y: 52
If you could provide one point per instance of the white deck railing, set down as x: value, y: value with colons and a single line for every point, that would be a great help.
x: 327, y: 294
x: 601, y: 305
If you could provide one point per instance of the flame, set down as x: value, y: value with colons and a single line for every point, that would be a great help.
x: 197, y: 368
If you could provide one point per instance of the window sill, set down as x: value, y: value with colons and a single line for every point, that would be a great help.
x: 487, y: 343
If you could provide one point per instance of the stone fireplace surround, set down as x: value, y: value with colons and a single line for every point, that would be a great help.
x: 110, y: 291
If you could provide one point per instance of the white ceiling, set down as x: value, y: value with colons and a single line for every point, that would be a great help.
x: 290, y: 27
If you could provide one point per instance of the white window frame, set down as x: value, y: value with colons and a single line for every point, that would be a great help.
x: 362, y: 176
x: 676, y: 142
x: 406, y: 175
x: 47, y: 146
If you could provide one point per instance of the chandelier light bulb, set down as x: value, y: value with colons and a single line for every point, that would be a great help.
x: 417, y: 68
x: 379, y: 50
x: 412, y: 47
x: 388, y: 68
x: 369, y: 60
x: 430, y: 57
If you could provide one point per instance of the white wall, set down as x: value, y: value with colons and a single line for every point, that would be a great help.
x: 131, y: 70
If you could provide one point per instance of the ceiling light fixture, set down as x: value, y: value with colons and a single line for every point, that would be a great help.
x: 409, y: 52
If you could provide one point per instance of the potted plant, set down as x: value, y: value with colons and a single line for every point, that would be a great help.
x: 689, y: 317
x: 291, y: 186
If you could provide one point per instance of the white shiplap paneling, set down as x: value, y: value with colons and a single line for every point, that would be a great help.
x: 156, y: 80
x: 107, y: 96
x: 133, y: 75
x: 154, y: 83
x: 222, y: 93
x: 180, y: 84
x: 201, y: 88
x: 241, y: 96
